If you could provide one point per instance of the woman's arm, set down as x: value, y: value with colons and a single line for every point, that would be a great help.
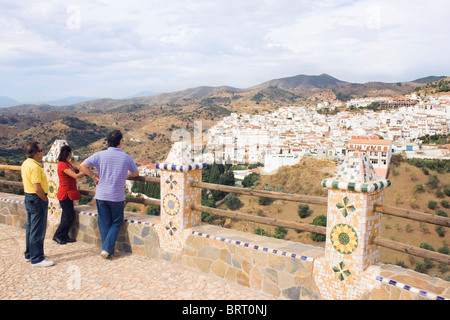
x: 74, y: 175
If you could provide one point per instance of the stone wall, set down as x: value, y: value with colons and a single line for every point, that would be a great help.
x: 278, y: 267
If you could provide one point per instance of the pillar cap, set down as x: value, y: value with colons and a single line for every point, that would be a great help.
x: 52, y: 155
x: 352, y: 186
x: 180, y: 159
x: 356, y: 174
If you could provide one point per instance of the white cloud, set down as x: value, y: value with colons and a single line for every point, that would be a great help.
x: 117, y: 48
x: 378, y: 39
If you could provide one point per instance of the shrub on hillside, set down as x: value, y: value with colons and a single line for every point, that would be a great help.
x: 439, y: 193
x: 264, y: 201
x: 84, y: 199
x: 251, y: 180
x: 426, y: 246
x: 232, y: 201
x: 153, y: 210
x: 433, y: 181
x: 439, y: 231
x: 319, y: 221
x: 441, y: 213
x: 444, y: 250
x: 432, y: 204
x: 304, y: 211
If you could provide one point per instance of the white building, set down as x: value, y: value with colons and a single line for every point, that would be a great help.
x: 272, y: 162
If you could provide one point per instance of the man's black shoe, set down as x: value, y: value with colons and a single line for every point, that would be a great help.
x: 69, y: 240
x: 58, y: 240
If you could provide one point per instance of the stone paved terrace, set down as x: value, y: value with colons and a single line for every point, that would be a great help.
x: 198, y: 274
x: 80, y: 273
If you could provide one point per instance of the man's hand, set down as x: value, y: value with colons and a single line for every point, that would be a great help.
x: 40, y: 192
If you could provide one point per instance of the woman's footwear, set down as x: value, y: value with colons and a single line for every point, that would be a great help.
x: 58, y: 240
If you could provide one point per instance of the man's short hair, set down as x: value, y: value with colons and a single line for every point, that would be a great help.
x: 114, y: 138
x: 31, y: 148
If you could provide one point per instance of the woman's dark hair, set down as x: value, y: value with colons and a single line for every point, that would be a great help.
x: 64, y: 153
x: 114, y: 138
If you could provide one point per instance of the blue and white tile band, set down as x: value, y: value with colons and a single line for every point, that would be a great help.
x: 13, y: 201
x: 125, y: 220
x: 256, y: 247
x: 403, y: 286
x: 182, y: 168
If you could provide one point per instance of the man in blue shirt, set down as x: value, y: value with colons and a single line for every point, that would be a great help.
x: 113, y: 166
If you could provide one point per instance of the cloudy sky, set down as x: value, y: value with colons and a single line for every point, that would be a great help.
x: 108, y: 48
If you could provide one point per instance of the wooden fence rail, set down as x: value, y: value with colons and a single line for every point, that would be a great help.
x: 8, y: 167
x: 415, y: 251
x: 263, y: 220
x: 261, y: 193
x: 413, y: 215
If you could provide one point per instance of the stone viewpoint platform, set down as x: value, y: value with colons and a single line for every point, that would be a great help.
x: 80, y: 273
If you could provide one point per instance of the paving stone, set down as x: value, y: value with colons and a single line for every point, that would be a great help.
x: 80, y: 273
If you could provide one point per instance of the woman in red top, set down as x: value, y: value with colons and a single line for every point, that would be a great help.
x: 67, y: 193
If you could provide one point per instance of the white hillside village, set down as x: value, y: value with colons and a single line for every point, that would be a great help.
x: 285, y: 136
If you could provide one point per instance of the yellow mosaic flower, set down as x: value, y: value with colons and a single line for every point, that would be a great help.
x: 344, y: 238
x: 52, y: 189
x: 171, y: 204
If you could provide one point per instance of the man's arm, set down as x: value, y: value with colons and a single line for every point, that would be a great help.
x: 136, y: 174
x: 40, y: 192
x: 86, y: 170
x: 131, y: 167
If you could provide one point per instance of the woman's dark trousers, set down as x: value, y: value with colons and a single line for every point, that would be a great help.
x: 67, y: 218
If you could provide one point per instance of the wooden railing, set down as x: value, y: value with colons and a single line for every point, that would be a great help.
x: 394, y: 211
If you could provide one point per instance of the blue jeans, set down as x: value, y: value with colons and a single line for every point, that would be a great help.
x: 35, y: 228
x: 110, y: 218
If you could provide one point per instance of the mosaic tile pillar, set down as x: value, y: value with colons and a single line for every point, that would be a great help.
x: 177, y: 196
x: 51, y: 170
x: 349, y: 266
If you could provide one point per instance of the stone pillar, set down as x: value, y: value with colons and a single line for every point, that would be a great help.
x: 177, y: 196
x: 349, y: 266
x: 51, y: 170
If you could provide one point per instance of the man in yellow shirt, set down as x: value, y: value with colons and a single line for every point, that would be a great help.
x: 36, y: 202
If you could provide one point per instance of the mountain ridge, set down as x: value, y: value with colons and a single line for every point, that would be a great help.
x: 299, y: 83
x: 302, y: 82
x: 6, y: 102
